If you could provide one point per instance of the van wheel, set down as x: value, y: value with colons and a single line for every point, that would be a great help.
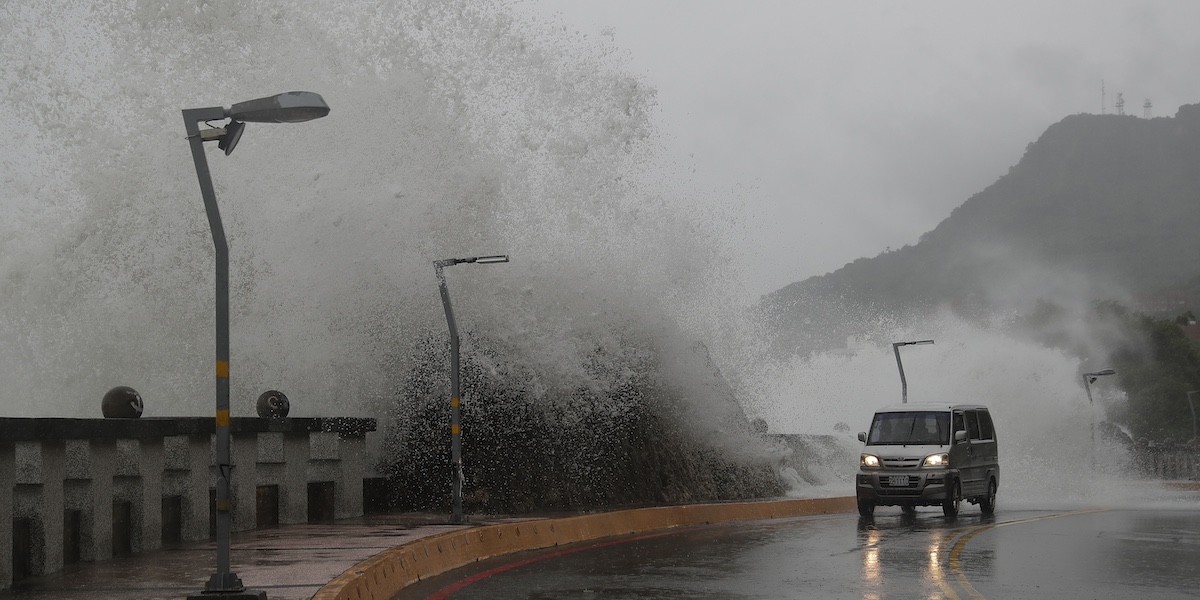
x: 866, y: 508
x: 988, y: 503
x: 952, y: 503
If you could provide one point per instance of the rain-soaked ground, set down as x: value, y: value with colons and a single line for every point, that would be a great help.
x: 1145, y: 553
x: 289, y: 563
x: 1014, y: 554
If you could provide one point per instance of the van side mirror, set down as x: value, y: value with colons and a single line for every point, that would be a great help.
x: 960, y: 436
x: 862, y: 436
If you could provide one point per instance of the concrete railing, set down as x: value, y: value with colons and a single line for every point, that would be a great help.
x: 86, y: 489
x: 1173, y: 462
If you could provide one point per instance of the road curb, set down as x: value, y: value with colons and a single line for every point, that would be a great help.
x: 1182, y: 486
x: 385, y: 574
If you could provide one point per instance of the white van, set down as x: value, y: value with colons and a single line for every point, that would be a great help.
x: 929, y: 455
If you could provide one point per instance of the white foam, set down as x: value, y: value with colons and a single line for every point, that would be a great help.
x: 455, y: 131
x: 1043, y: 419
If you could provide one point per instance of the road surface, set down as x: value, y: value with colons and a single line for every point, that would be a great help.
x: 1143, y: 554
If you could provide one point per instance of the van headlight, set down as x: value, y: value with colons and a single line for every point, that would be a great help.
x: 936, y: 460
x: 868, y: 460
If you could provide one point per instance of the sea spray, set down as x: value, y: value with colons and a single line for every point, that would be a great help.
x: 457, y: 129
x: 1042, y: 415
x: 646, y: 420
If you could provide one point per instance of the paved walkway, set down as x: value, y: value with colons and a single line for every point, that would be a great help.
x: 290, y: 562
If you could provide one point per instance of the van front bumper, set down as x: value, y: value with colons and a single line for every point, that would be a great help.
x: 907, y: 487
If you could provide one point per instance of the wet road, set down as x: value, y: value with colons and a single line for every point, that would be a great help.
x: 1015, y: 554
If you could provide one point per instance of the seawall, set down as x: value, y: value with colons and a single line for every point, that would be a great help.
x: 385, y: 574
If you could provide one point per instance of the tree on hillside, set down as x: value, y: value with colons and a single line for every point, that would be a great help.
x: 1156, y: 373
x: 1156, y: 364
x: 1098, y: 206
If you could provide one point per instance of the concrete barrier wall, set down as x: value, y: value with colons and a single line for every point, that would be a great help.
x: 93, y: 470
x: 385, y: 574
x: 1169, y: 462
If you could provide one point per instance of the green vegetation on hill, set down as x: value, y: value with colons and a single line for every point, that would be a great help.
x: 1098, y: 207
x: 1156, y: 364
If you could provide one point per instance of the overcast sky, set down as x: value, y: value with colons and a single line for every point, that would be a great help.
x: 848, y: 127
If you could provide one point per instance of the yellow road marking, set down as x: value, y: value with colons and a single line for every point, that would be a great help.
x: 947, y: 588
x: 955, y: 561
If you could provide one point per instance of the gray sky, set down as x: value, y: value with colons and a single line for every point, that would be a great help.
x: 849, y: 127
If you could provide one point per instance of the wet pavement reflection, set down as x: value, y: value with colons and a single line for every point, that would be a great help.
x: 1147, y: 554
x: 291, y: 562
x: 909, y: 554
x: 1018, y: 554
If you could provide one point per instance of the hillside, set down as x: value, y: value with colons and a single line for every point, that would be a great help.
x: 1099, y: 207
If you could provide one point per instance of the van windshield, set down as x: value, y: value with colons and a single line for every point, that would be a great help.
x: 910, y: 428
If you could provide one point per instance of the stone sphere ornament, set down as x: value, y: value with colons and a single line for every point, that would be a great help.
x: 122, y: 402
x: 272, y: 404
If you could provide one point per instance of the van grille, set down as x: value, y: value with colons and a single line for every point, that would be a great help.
x: 901, y: 463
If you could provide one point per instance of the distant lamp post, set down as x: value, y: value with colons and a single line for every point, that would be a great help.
x: 290, y: 107
x: 1192, y: 406
x: 455, y: 399
x: 1088, y: 380
x: 900, y: 365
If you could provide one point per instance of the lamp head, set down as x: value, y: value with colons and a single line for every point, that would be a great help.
x: 482, y: 260
x: 916, y: 343
x: 485, y: 260
x: 288, y: 107
x: 233, y: 133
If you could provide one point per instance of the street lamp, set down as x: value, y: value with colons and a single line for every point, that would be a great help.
x: 290, y: 107
x: 899, y: 365
x: 455, y: 399
x: 1088, y: 380
x: 1192, y: 406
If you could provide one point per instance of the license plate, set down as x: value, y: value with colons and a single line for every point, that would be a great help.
x: 898, y: 480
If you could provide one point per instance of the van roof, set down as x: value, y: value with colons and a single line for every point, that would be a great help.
x: 924, y: 406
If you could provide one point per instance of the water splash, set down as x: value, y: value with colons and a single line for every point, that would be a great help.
x: 457, y: 129
x: 1036, y: 398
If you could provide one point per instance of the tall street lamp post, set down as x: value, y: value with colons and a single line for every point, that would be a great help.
x: 900, y: 366
x: 290, y: 107
x: 455, y: 399
x: 1192, y: 406
x: 1088, y: 380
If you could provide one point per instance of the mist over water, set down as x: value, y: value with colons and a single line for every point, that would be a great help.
x: 1035, y: 394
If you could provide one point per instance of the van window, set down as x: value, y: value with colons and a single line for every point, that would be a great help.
x: 972, y: 425
x: 959, y: 423
x: 916, y: 427
x: 986, y: 431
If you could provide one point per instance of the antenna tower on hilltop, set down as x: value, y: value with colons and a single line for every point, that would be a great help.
x: 1120, y: 104
x: 1146, y: 109
x: 1103, y: 104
